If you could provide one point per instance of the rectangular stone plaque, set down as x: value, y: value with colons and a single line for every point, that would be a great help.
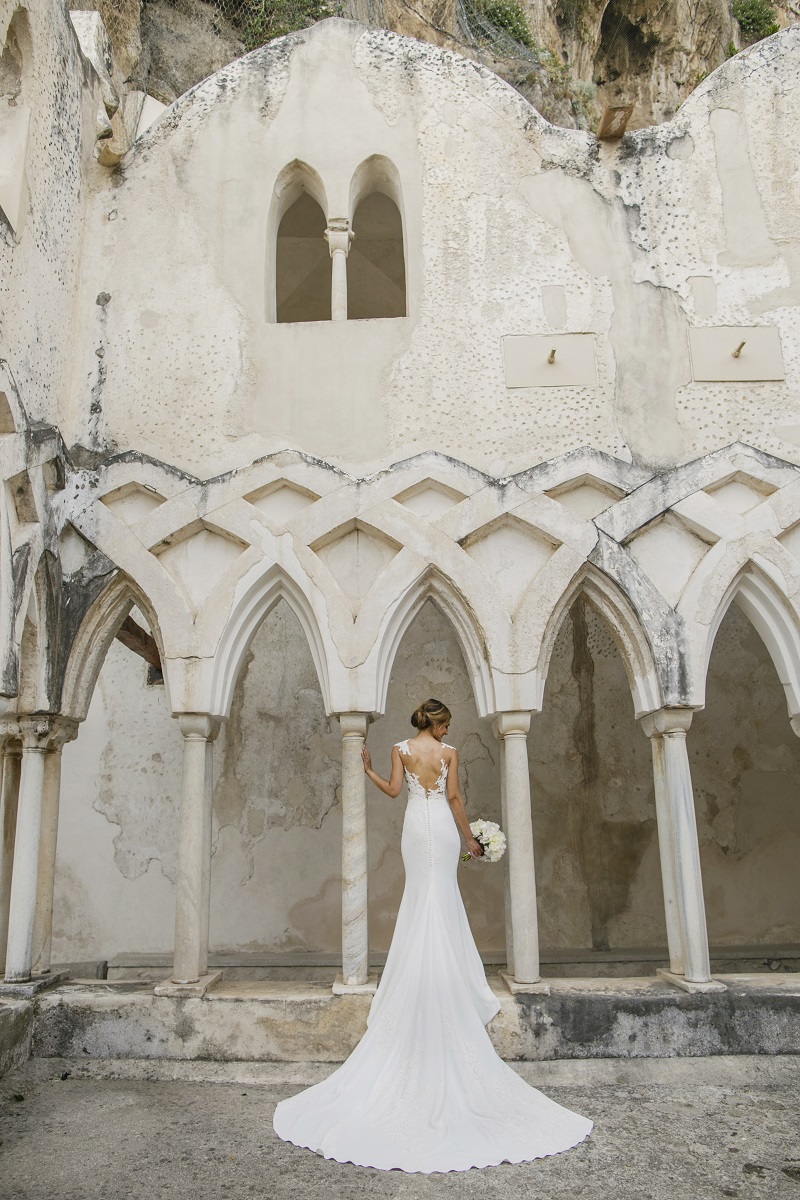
x: 714, y: 357
x: 527, y: 360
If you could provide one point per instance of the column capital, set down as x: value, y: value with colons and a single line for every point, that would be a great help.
x: 46, y: 731
x: 354, y: 724
x: 198, y: 727
x: 9, y: 730
x: 65, y: 729
x: 339, y: 235
x: 795, y: 723
x: 511, y: 724
x: 665, y: 721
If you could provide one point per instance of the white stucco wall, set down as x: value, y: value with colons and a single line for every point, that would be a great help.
x: 512, y: 227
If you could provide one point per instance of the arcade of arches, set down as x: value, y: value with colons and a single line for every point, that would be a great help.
x: 277, y: 805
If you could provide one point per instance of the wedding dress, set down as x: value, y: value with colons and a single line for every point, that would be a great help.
x: 424, y: 1090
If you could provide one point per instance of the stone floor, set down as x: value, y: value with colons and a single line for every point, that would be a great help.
x: 699, y: 1128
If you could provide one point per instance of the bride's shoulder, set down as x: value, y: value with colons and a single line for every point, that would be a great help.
x: 446, y: 746
x: 402, y: 747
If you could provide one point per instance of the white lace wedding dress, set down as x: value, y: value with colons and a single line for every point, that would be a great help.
x: 424, y: 1090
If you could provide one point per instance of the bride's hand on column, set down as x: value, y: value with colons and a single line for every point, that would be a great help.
x: 366, y: 758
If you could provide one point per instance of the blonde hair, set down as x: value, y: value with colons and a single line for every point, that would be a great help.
x: 432, y: 712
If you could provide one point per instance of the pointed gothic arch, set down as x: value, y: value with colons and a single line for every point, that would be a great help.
x: 247, y: 615
x: 626, y: 627
x: 774, y: 619
x: 434, y: 586
x: 96, y: 632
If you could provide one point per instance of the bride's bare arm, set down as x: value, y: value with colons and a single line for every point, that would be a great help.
x: 456, y: 802
x: 392, y: 785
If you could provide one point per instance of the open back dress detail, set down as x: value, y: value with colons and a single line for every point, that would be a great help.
x: 424, y: 1090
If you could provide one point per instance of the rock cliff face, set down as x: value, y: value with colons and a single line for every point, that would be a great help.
x: 582, y: 54
x: 645, y: 52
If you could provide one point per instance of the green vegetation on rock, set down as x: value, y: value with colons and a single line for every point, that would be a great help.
x: 264, y: 20
x: 510, y: 16
x: 756, y: 18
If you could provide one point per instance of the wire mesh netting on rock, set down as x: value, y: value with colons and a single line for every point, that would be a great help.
x: 166, y: 46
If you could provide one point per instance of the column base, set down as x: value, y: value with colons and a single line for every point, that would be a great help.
x: 30, y: 987
x: 687, y: 985
x: 521, y: 989
x: 198, y: 988
x: 340, y: 988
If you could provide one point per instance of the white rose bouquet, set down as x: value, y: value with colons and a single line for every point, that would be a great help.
x: 491, y: 837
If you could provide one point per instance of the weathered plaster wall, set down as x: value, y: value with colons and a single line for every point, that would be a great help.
x: 118, y: 820
x: 745, y: 763
x: 40, y: 252
x: 277, y: 820
x: 687, y: 224
x: 597, y: 861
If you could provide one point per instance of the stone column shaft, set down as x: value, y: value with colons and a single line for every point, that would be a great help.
x: 25, y: 876
x: 666, y: 839
x: 48, y: 842
x: 192, y: 890
x: 9, y: 798
x: 206, y: 907
x: 355, y: 925
x: 513, y: 728
x: 680, y: 853
x: 339, y: 237
x: 509, y: 924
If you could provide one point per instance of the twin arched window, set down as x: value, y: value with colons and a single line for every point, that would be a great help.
x: 329, y: 267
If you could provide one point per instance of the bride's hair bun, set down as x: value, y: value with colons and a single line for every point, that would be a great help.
x: 432, y: 712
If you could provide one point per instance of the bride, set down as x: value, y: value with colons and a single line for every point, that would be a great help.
x: 424, y: 1089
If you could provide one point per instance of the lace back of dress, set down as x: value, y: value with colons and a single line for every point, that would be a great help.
x: 415, y: 788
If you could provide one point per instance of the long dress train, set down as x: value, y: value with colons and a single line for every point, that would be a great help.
x: 424, y: 1089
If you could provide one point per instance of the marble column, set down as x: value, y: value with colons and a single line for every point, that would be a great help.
x: 509, y: 924
x: 63, y: 731
x: 684, y: 906
x: 35, y: 733
x: 205, y: 920
x: 192, y: 889
x: 339, y: 236
x: 512, y: 729
x: 9, y: 797
x: 355, y: 928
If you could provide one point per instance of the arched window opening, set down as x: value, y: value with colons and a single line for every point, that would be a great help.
x: 302, y: 264
x: 376, y: 269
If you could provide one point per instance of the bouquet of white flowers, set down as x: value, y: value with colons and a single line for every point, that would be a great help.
x: 491, y: 837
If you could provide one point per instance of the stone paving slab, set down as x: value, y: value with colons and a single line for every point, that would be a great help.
x: 702, y: 1128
